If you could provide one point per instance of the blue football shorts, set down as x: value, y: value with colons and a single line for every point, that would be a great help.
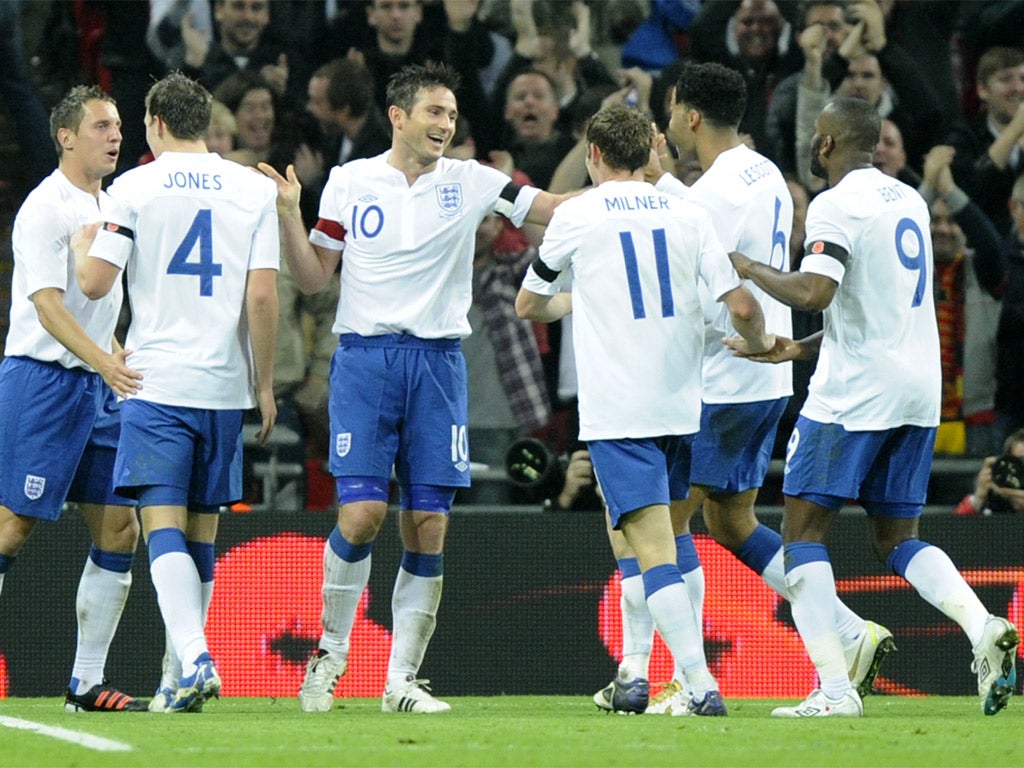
x: 640, y: 472
x: 47, y: 413
x: 886, y: 471
x: 94, y: 480
x: 194, y: 455
x: 732, y: 451
x: 400, y: 401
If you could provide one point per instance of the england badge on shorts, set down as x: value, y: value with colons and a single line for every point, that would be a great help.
x: 343, y: 443
x: 34, y: 486
x: 449, y: 197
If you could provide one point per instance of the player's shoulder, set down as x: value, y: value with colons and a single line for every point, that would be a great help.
x: 51, y: 202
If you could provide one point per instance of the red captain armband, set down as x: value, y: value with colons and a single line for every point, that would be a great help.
x: 117, y: 229
x: 823, y: 248
x: 332, y: 229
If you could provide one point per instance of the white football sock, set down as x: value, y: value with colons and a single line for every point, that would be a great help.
x: 812, y: 588
x: 637, y: 629
x: 343, y: 587
x: 99, y: 604
x: 938, y: 581
x: 414, y: 604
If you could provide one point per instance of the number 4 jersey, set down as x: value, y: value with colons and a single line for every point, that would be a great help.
x: 196, y: 224
x: 879, y: 362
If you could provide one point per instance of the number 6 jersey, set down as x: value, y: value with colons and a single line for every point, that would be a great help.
x: 878, y: 367
x: 198, y: 224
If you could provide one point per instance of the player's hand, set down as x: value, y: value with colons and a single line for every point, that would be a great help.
x: 741, y: 263
x: 781, y: 351
x: 119, y: 377
x: 288, y: 188
x: 81, y: 240
x: 268, y: 414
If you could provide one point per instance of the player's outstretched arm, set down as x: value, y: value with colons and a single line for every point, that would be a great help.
x: 262, y: 310
x: 311, y: 266
x: 62, y: 325
x: 783, y: 350
x: 748, y: 319
x: 800, y: 290
x: 95, y: 276
x: 542, y: 308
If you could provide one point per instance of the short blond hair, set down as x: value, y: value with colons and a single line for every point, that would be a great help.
x: 221, y: 117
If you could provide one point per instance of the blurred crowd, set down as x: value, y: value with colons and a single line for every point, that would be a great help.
x: 302, y: 82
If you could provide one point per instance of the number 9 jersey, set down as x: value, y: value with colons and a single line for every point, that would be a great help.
x: 200, y: 223
x: 878, y: 367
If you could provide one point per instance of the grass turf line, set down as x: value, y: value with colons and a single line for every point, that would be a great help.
x: 523, y: 731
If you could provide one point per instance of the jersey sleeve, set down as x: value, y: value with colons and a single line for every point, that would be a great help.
x: 511, y: 200
x: 715, y: 269
x: 42, y: 237
x: 669, y: 184
x: 826, y: 245
x: 116, y: 237
x: 329, y: 232
x: 561, y: 240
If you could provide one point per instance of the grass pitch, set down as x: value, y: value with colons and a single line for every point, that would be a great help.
x: 515, y: 731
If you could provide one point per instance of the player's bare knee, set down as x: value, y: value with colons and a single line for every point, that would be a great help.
x: 14, y: 531
x: 360, y: 522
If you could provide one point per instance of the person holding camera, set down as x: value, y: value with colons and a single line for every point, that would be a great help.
x: 998, y: 485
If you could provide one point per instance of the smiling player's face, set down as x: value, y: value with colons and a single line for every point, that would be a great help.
x: 427, y: 130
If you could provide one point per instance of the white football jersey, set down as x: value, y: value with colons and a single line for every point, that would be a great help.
x: 636, y: 257
x: 50, y: 215
x: 200, y: 224
x: 752, y: 212
x: 407, y: 265
x: 879, y: 362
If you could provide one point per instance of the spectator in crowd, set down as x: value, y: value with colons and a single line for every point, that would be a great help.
x: 660, y: 38
x: 756, y: 39
x: 559, y: 45
x: 824, y: 28
x: 869, y: 66
x: 241, y: 44
x: 254, y: 106
x: 531, y: 112
x: 21, y: 102
x: 891, y: 157
x: 220, y: 137
x: 990, y: 147
x: 395, y: 41
x: 991, y: 496
x: 967, y: 316
x: 341, y: 98
x: 1004, y: 279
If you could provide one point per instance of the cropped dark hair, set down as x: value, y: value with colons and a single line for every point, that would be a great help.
x: 716, y: 91
x: 349, y: 84
x: 997, y: 58
x: 407, y: 82
x: 857, y: 123
x: 70, y: 110
x: 623, y: 135
x: 183, y: 104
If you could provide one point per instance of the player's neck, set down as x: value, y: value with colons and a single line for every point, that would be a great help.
x: 182, y: 145
x: 847, y: 165
x: 712, y: 143
x: 409, y: 164
x: 82, y: 179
